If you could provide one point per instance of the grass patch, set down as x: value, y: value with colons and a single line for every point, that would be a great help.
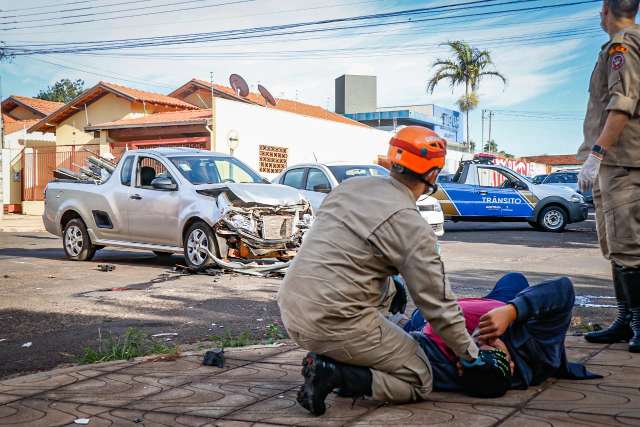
x: 133, y: 343
x: 273, y: 333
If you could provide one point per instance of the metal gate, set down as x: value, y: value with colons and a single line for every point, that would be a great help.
x: 39, y: 164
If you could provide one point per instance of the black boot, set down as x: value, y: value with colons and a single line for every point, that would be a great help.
x: 630, y: 277
x: 322, y: 375
x: 620, y: 329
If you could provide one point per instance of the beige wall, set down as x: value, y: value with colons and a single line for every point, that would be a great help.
x: 198, y: 101
x: 109, y: 108
x: 21, y: 113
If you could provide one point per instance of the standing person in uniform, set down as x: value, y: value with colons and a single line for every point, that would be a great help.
x: 333, y: 296
x: 611, y: 155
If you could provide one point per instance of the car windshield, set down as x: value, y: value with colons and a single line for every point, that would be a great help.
x: 345, y: 172
x: 214, y: 170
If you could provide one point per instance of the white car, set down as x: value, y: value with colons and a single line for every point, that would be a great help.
x: 316, y: 180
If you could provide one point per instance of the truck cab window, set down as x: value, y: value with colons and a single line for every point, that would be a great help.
x: 125, y: 173
x: 149, y: 169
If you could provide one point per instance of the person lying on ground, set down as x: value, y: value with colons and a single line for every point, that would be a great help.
x: 521, y: 330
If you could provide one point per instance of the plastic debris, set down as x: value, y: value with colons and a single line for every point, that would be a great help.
x: 106, y: 267
x: 165, y: 334
x: 83, y: 421
x: 2, y: 339
x: 27, y: 344
x: 214, y: 357
x: 51, y: 276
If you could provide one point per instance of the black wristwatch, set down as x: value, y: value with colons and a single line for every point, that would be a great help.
x: 598, y: 150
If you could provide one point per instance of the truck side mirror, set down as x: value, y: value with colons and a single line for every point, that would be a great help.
x: 164, y: 183
x: 322, y: 188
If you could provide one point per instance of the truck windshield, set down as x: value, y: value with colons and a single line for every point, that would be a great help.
x: 214, y: 170
x: 345, y: 172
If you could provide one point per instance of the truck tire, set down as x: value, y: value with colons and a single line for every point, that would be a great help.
x: 198, y: 237
x: 553, y: 219
x: 76, y: 242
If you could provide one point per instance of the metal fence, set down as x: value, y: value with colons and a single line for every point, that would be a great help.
x: 38, y: 166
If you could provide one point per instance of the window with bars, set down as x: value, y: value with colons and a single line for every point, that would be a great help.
x: 272, y: 159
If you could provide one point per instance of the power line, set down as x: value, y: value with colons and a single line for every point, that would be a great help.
x: 122, y: 16
x: 271, y: 31
x: 49, y: 5
x: 69, y: 10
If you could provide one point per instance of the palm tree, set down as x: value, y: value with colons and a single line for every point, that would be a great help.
x: 491, y: 146
x: 468, y: 66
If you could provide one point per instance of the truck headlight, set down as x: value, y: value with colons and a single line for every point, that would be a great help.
x: 577, y: 198
x: 242, y: 222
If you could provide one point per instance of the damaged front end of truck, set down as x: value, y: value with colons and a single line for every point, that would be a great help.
x: 259, y: 221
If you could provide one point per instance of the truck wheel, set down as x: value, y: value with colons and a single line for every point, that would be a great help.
x: 553, y: 219
x: 197, y: 240
x: 76, y: 242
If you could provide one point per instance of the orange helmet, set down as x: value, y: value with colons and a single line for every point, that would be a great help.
x: 417, y: 149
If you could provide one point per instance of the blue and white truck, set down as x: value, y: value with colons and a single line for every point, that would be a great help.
x: 482, y: 191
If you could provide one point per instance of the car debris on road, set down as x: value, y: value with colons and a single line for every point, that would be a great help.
x: 106, y: 267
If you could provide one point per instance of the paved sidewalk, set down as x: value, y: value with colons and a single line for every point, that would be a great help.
x: 258, y: 387
x: 14, y: 223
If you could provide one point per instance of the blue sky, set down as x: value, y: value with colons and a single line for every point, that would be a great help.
x: 550, y: 75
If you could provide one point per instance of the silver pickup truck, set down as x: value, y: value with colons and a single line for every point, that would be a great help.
x: 174, y: 200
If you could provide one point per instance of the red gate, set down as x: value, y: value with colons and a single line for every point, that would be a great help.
x: 39, y: 164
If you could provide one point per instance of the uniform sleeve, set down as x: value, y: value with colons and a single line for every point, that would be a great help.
x: 624, y: 72
x: 409, y: 243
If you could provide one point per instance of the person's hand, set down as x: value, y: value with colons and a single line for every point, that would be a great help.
x: 589, y: 172
x: 399, y: 301
x: 495, y: 323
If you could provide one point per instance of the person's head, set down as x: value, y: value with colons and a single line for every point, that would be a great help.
x: 498, y: 344
x: 417, y: 156
x: 492, y: 379
x: 617, y: 14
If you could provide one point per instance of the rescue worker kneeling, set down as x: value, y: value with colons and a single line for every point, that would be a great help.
x: 336, y: 293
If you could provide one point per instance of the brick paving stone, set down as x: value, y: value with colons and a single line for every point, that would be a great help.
x: 114, y: 389
x: 183, y: 369
x: 533, y: 418
x: 616, y: 376
x: 283, y: 409
x: 589, y: 397
x: 292, y: 357
x: 257, y: 353
x: 616, y: 358
x: 573, y: 341
x: 434, y: 414
x: 30, y: 385
x: 45, y: 413
x: 211, y: 397
x: 512, y: 398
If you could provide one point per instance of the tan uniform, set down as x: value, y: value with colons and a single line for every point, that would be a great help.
x: 367, y: 230
x: 615, y: 86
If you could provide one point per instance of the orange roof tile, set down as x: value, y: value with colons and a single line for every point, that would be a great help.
x: 17, y: 125
x: 172, y: 118
x: 40, y: 105
x: 98, y: 91
x: 282, y: 103
x: 151, y: 97
x: 554, y: 160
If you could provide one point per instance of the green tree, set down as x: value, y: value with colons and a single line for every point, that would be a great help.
x: 505, y: 154
x: 468, y: 66
x: 62, y: 91
x: 491, y: 146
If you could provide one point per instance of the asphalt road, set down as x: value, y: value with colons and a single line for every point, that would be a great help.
x: 60, y: 306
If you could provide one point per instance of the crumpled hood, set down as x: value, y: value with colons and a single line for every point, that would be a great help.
x: 261, y: 194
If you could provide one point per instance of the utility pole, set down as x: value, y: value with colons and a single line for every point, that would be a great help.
x: 491, y: 113
x: 482, y: 140
x: 211, y: 127
x: 1, y: 155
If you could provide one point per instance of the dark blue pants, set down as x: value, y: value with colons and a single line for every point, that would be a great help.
x: 505, y: 290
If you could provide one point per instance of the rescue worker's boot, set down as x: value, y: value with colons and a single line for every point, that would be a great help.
x: 322, y: 375
x: 630, y: 277
x: 620, y: 329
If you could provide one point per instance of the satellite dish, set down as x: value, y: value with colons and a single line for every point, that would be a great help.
x: 266, y: 95
x: 239, y: 85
